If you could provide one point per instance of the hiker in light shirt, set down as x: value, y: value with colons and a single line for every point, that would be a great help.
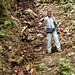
x: 49, y: 20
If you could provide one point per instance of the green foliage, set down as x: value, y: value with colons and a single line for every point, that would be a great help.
x: 65, y: 64
x: 45, y: 49
x: 10, y: 32
x: 27, y: 13
x: 14, y: 21
x: 41, y: 66
x: 65, y: 67
x: 65, y: 73
x: 2, y: 18
x: 2, y: 32
x: 0, y: 0
x: 7, y: 22
x: 6, y: 0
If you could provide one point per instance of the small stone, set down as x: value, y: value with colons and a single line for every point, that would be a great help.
x: 21, y: 52
x: 25, y: 51
x: 28, y: 67
x: 22, y: 55
x: 10, y: 47
x: 40, y: 35
x: 49, y: 69
x: 29, y: 37
x: 40, y: 24
x: 72, y: 11
x: 15, y: 70
x: 71, y: 54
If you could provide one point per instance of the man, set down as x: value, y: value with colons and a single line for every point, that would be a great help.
x: 49, y: 20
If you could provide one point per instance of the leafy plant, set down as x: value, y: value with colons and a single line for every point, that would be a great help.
x: 2, y: 18
x: 45, y: 49
x: 41, y: 66
x: 0, y: 0
x: 6, y: 0
x: 14, y: 21
x: 7, y: 22
x: 2, y: 32
x: 65, y: 67
x: 27, y: 13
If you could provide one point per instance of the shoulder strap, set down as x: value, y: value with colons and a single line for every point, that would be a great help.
x: 54, y: 23
x: 53, y: 19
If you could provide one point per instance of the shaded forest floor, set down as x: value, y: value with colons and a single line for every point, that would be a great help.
x: 24, y: 46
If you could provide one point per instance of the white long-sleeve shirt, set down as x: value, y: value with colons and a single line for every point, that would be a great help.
x: 50, y: 21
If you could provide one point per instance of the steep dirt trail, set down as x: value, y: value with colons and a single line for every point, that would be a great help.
x: 51, y: 65
x: 50, y: 61
x: 21, y: 53
x: 33, y: 41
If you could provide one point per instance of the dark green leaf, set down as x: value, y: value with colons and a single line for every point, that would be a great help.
x: 0, y: 0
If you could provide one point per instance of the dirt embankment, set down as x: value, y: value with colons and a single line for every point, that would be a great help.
x: 25, y: 42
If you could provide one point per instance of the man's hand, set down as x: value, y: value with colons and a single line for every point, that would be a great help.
x: 47, y: 25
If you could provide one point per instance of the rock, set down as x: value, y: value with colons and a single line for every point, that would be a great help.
x: 49, y: 69
x: 24, y: 51
x: 72, y: 11
x: 10, y: 47
x: 38, y: 49
x: 29, y: 37
x: 71, y: 54
x: 40, y: 24
x: 28, y: 67
x: 40, y: 35
x: 22, y: 55
x: 15, y: 70
x: 32, y: 14
x: 17, y: 59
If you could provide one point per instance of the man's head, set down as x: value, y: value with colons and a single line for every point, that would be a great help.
x: 49, y: 13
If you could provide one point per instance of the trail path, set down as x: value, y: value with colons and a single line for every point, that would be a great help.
x: 51, y: 62
x: 31, y: 42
